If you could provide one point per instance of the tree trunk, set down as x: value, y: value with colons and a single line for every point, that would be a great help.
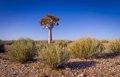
x: 49, y: 35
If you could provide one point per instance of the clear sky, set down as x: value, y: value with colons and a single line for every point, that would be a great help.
x: 78, y: 18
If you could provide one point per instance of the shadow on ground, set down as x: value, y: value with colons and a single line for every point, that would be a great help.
x: 79, y: 64
x: 108, y: 55
x: 2, y: 48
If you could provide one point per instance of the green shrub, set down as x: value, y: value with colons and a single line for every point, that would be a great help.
x: 85, y: 48
x: 53, y: 55
x: 22, y: 50
x: 114, y: 46
x: 61, y: 43
x: 41, y: 46
x: 104, y: 41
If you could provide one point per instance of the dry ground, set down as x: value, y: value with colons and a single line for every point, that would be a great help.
x: 103, y: 67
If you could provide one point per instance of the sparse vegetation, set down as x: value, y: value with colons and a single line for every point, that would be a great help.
x: 59, y: 52
x: 85, y: 48
x: 104, y: 41
x: 114, y: 46
x: 41, y: 46
x: 54, y: 55
x: 22, y: 50
x: 61, y: 43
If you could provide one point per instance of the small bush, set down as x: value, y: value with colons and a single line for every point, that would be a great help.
x: 22, y: 50
x: 53, y: 56
x: 104, y: 41
x: 85, y: 48
x: 61, y: 43
x: 114, y: 46
x: 41, y: 46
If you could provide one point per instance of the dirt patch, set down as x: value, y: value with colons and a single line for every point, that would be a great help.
x: 109, y: 67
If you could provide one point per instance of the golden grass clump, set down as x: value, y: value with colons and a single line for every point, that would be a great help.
x: 22, y: 50
x: 54, y: 56
x: 114, y: 46
x: 85, y: 48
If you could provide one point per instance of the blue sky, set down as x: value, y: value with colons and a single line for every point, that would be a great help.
x: 78, y: 18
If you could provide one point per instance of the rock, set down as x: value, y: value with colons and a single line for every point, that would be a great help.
x: 82, y: 75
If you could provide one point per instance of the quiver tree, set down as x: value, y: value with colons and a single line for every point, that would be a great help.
x: 49, y: 22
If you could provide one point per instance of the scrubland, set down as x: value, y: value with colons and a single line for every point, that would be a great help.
x: 85, y: 57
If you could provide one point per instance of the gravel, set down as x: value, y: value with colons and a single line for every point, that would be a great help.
x: 109, y: 67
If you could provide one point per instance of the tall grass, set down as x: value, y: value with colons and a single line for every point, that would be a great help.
x: 61, y: 43
x: 85, y: 48
x: 54, y: 55
x: 114, y: 46
x: 22, y: 50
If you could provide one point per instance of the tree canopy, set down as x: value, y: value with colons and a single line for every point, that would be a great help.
x: 49, y: 21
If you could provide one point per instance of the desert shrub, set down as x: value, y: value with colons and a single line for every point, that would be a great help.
x: 41, y: 46
x: 53, y: 55
x: 61, y: 43
x: 114, y: 46
x: 8, y: 42
x: 22, y: 50
x: 104, y: 41
x: 85, y: 48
